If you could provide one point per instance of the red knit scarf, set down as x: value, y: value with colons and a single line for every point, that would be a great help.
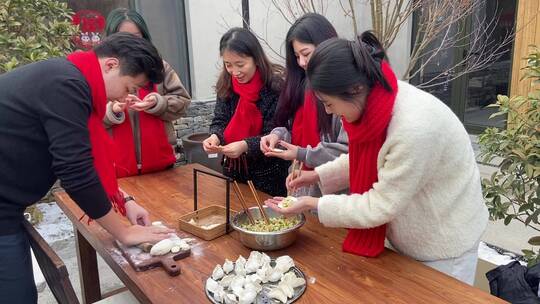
x: 366, y: 137
x: 247, y: 120
x: 156, y: 152
x: 305, y: 128
x: 102, y: 146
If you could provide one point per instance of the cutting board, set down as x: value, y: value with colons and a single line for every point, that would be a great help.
x: 141, y: 261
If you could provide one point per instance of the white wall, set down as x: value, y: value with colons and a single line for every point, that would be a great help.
x: 209, y: 19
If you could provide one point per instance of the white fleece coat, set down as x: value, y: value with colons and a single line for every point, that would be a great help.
x: 428, y: 188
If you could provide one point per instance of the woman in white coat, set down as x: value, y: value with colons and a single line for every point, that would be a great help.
x: 411, y: 169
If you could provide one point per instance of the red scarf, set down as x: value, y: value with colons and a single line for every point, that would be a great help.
x: 102, y: 146
x: 247, y: 120
x: 366, y: 137
x: 156, y: 152
x: 305, y: 128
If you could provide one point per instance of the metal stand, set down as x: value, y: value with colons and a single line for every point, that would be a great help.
x: 228, y: 181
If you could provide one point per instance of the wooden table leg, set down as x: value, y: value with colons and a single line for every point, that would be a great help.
x: 88, y: 270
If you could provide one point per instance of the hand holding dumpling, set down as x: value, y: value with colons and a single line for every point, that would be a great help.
x: 302, y: 204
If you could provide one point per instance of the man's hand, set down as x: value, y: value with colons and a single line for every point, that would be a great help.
x: 141, y: 105
x: 136, y: 214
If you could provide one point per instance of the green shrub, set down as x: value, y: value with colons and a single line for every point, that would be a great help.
x: 33, y: 30
x: 512, y: 193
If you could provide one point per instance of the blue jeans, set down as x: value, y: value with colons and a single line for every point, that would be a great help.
x: 16, y: 274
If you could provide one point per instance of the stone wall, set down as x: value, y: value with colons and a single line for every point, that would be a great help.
x: 197, y: 119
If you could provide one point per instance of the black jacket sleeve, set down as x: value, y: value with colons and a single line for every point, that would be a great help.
x: 65, y: 121
x: 222, y: 116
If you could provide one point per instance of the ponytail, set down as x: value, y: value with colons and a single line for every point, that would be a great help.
x: 368, y: 54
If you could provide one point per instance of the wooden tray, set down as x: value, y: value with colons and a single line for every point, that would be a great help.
x: 205, y: 216
x: 141, y: 261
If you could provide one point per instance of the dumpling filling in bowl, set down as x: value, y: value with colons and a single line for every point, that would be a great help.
x: 276, y: 224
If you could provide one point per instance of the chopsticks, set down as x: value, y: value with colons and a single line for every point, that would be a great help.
x: 242, y: 200
x: 295, y: 172
x: 258, y: 200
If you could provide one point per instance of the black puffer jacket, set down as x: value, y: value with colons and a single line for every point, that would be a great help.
x: 267, y: 173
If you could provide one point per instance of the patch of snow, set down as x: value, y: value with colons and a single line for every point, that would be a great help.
x: 55, y: 226
x: 491, y: 255
x: 39, y: 279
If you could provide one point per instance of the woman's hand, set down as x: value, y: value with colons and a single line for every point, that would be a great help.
x: 235, y: 149
x: 136, y: 214
x: 211, y: 144
x: 304, y: 203
x: 141, y: 105
x: 289, y: 153
x: 268, y: 143
x: 306, y: 178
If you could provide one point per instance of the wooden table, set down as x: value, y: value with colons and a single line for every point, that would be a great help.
x: 333, y: 276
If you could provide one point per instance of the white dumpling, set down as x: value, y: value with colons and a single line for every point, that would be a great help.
x: 212, y: 285
x: 292, y: 280
x: 253, y: 262
x: 219, y: 294
x: 226, y: 280
x: 263, y: 272
x: 253, y: 278
x: 230, y: 298
x: 278, y: 294
x: 247, y: 297
x: 252, y: 265
x: 265, y: 258
x: 274, y: 276
x: 217, y: 273
x: 162, y: 247
x: 284, y: 263
x: 228, y: 266
x: 255, y: 255
x: 239, y: 266
x: 287, y: 290
x: 237, y: 285
x: 256, y: 287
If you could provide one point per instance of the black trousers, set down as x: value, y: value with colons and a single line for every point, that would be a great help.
x: 16, y: 275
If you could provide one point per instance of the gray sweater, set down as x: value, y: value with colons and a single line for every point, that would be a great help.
x: 331, y: 147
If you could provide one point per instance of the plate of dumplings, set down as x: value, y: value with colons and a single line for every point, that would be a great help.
x: 259, y: 279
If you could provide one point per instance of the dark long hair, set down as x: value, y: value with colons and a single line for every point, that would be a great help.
x: 243, y: 42
x: 117, y: 16
x: 313, y: 29
x: 339, y: 66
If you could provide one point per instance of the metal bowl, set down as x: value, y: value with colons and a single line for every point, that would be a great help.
x: 265, y: 241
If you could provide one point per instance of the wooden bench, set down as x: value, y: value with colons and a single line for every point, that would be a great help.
x: 55, y: 272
